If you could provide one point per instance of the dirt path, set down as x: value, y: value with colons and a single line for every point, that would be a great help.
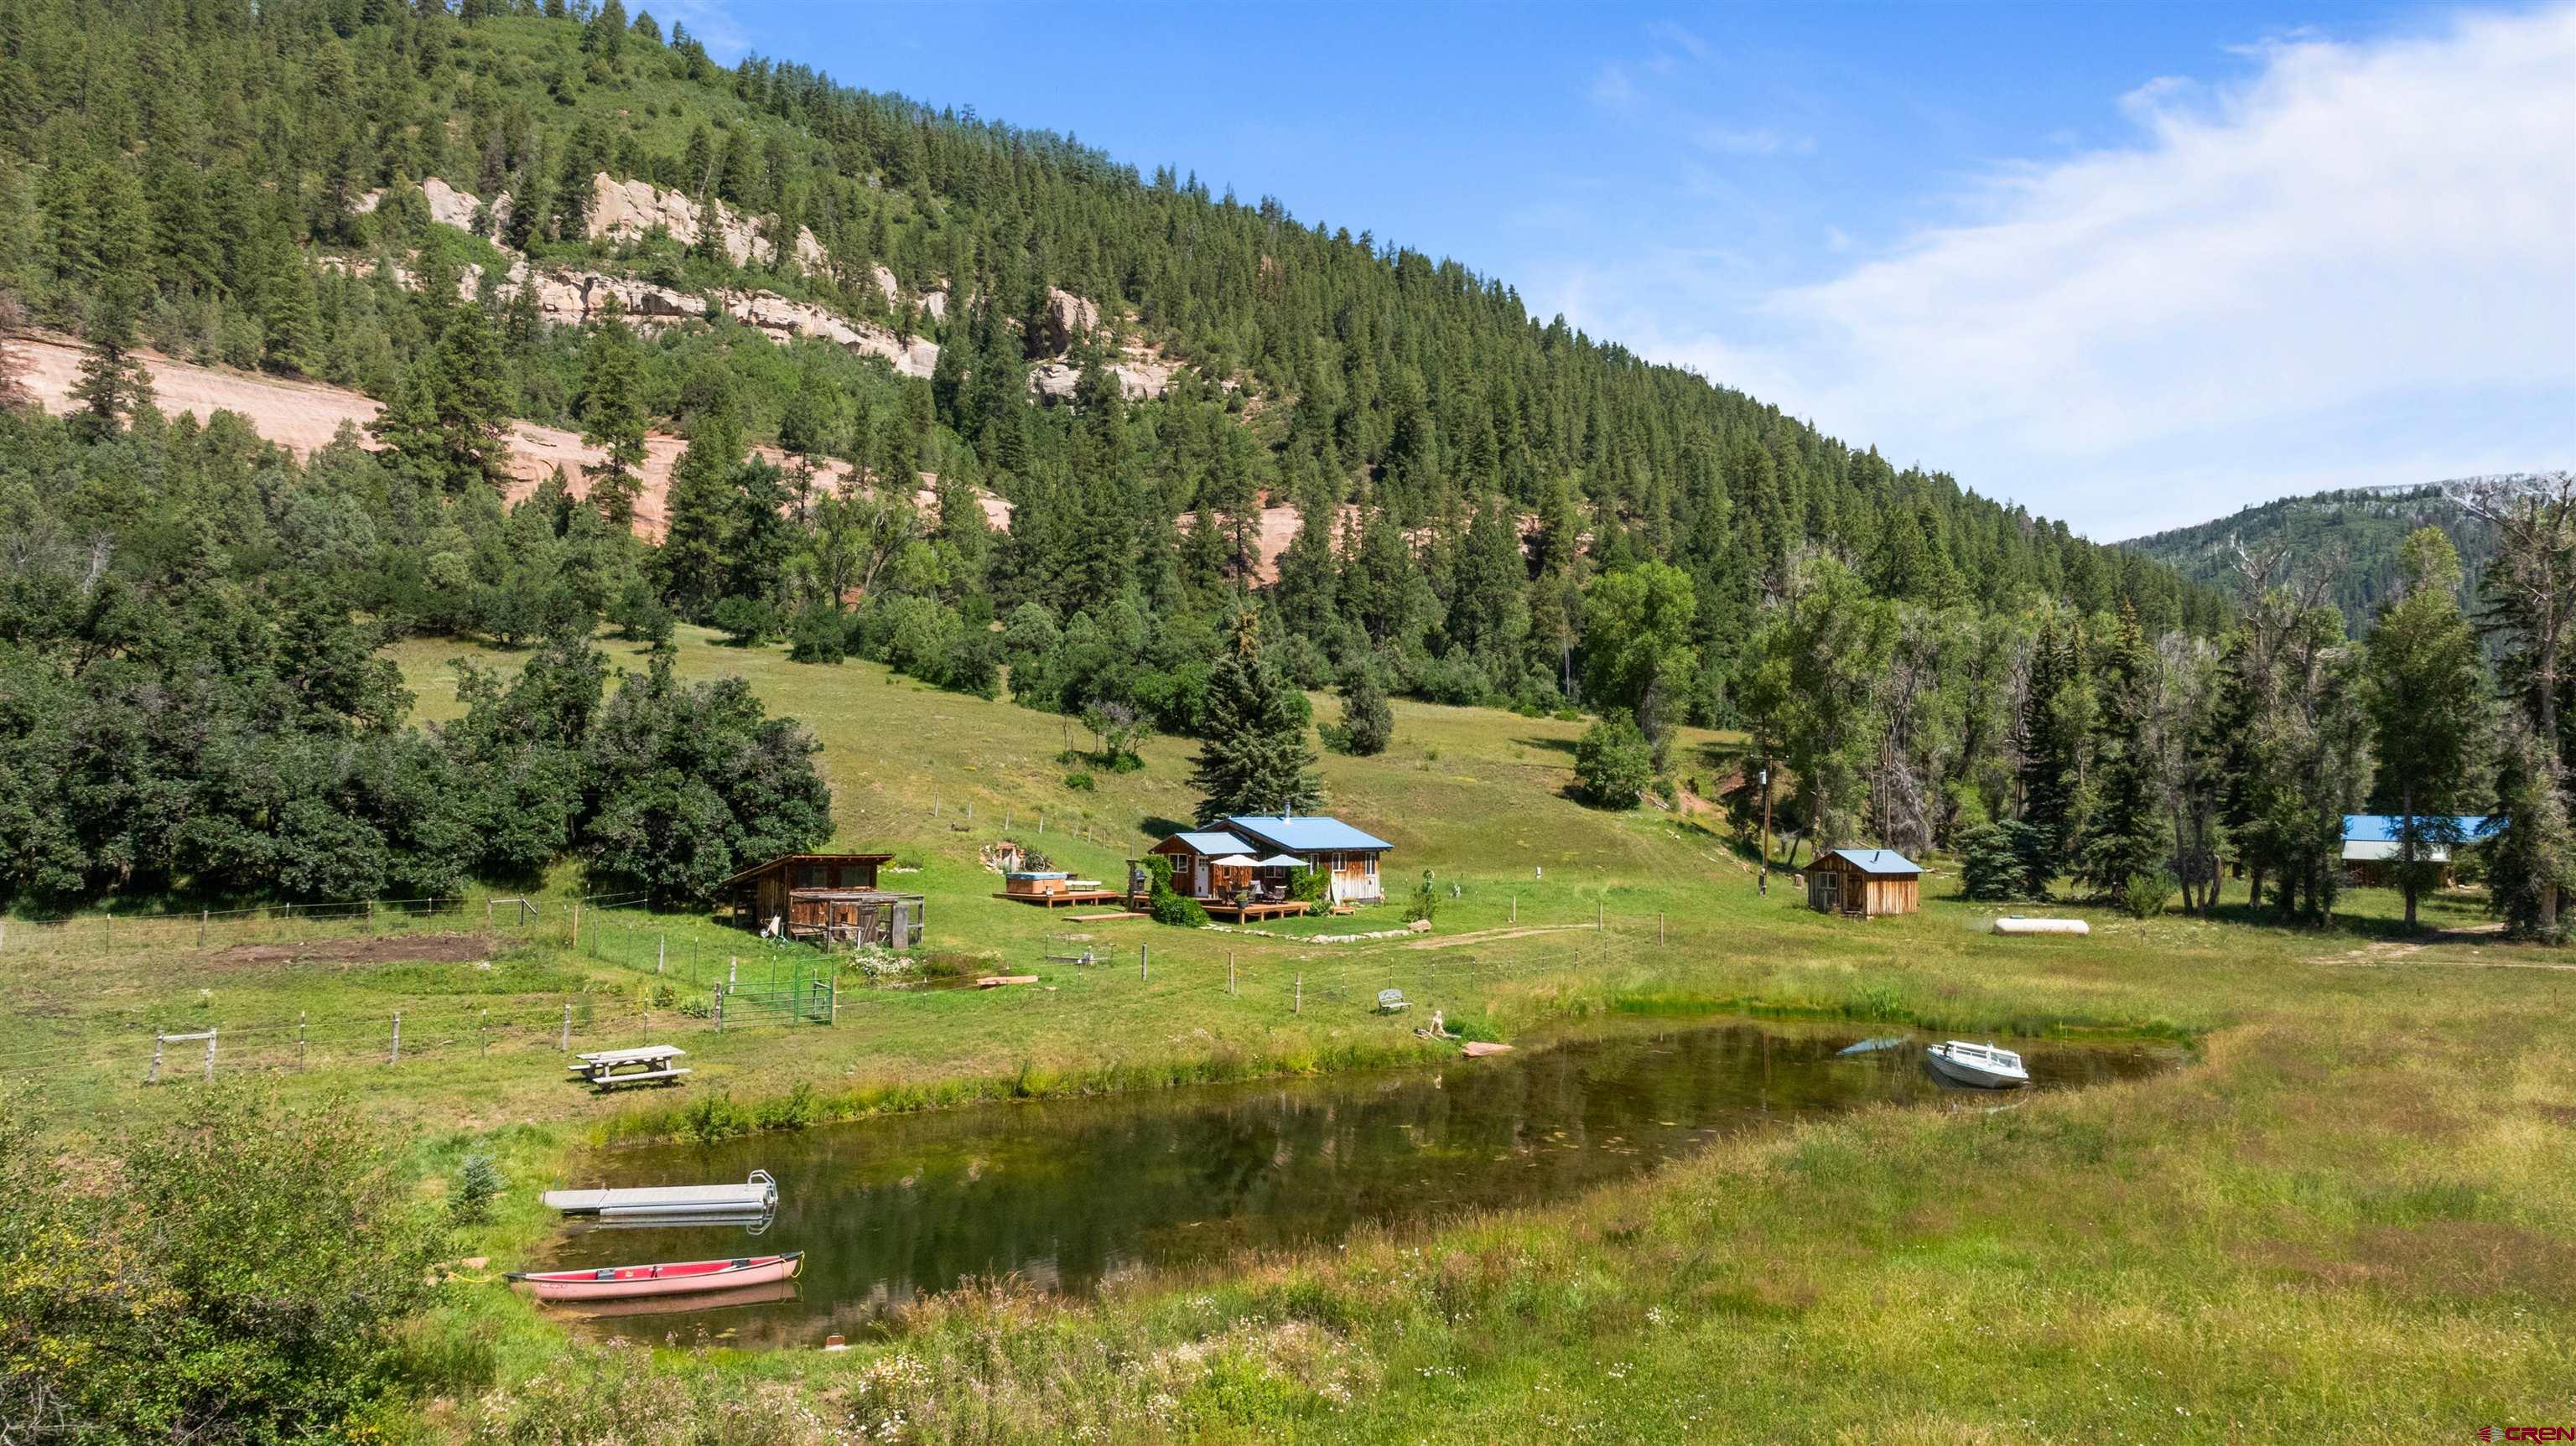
x: 1494, y: 936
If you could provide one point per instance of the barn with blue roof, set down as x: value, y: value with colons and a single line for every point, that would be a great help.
x: 1864, y: 883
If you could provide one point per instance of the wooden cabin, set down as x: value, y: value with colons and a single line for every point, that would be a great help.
x: 1864, y: 883
x: 2374, y: 856
x: 1194, y: 854
x: 825, y: 898
x: 1347, y: 857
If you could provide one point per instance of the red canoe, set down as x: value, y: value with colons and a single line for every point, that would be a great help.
x: 684, y: 1278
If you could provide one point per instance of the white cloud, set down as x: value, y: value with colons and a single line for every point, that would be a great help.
x: 715, y: 27
x: 2365, y: 254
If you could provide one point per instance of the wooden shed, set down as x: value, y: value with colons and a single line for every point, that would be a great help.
x: 1864, y: 883
x: 828, y: 898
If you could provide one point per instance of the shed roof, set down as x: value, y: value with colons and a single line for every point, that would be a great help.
x: 2382, y: 827
x: 1878, y: 861
x: 1207, y: 842
x: 782, y: 859
x: 1305, y: 834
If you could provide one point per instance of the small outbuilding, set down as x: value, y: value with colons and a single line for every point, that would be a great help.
x: 1864, y: 883
x: 827, y: 898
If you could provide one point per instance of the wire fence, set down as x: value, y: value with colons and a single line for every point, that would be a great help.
x: 1125, y: 992
x: 91, y: 936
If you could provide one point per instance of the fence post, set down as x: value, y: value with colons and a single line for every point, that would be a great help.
x: 834, y: 1000
x: 371, y: 917
x: 719, y: 1009
x: 567, y: 1034
x: 110, y: 921
x: 1659, y: 926
x: 661, y: 951
x: 1229, y: 971
x: 1145, y: 961
x: 1516, y: 908
x: 396, y: 1057
x: 299, y: 1039
x: 483, y: 1032
x: 1596, y: 916
x: 155, y: 1076
x: 733, y: 970
x: 1042, y: 820
x: 201, y: 928
x: 210, y: 1054
x: 1300, y: 1006
x: 576, y: 923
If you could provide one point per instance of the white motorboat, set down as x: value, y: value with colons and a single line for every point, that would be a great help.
x: 1981, y: 1065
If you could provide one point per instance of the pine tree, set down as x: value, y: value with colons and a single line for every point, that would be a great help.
x: 2428, y: 706
x: 695, y: 554
x: 612, y: 415
x: 1368, y: 723
x: 113, y: 384
x: 2047, y: 777
x: 1252, y: 756
x: 2127, y: 836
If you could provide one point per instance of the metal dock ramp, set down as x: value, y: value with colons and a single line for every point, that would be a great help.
x: 755, y: 1196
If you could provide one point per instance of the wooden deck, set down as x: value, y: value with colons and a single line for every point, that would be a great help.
x: 1085, y: 896
x: 1246, y: 913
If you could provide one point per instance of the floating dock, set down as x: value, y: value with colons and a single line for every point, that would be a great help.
x: 755, y: 1196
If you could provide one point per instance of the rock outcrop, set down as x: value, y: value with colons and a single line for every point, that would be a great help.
x: 626, y: 210
x: 781, y: 317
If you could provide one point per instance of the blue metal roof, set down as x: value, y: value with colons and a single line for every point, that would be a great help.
x: 1305, y: 835
x: 1879, y: 861
x: 2382, y: 827
x: 1214, y: 843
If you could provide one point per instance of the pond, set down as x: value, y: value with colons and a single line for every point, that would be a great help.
x: 1063, y: 1193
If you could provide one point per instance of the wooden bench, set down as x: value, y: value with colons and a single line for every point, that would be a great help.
x: 1391, y: 1000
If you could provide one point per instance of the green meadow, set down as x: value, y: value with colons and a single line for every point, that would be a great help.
x: 2350, y: 1214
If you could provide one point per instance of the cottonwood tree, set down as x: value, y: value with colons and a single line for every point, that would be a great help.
x: 2428, y: 706
x: 2530, y: 588
x: 1812, y: 698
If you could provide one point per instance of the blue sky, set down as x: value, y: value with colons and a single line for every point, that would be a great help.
x: 2131, y: 264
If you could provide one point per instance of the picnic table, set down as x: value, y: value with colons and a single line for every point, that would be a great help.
x: 607, y: 1069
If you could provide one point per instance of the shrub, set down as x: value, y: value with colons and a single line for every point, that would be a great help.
x: 478, y: 1182
x: 1079, y: 782
x: 1995, y: 862
x: 745, y: 621
x: 1613, y: 764
x: 241, y: 1275
x: 1166, y: 904
x: 714, y: 1116
x: 1425, y: 900
x: 2145, y: 895
x: 820, y: 635
x: 1311, y: 887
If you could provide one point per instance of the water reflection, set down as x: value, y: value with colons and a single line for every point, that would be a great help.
x: 1064, y: 1193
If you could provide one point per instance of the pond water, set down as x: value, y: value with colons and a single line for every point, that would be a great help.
x: 1065, y: 1192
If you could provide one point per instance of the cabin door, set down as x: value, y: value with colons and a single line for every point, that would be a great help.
x: 1201, y: 890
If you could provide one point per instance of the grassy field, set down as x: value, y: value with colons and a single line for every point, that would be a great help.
x: 2354, y: 1212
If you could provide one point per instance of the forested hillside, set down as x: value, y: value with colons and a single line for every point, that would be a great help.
x: 2358, y: 533
x: 489, y: 213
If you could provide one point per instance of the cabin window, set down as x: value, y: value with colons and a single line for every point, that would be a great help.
x: 809, y: 876
x: 1370, y: 865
